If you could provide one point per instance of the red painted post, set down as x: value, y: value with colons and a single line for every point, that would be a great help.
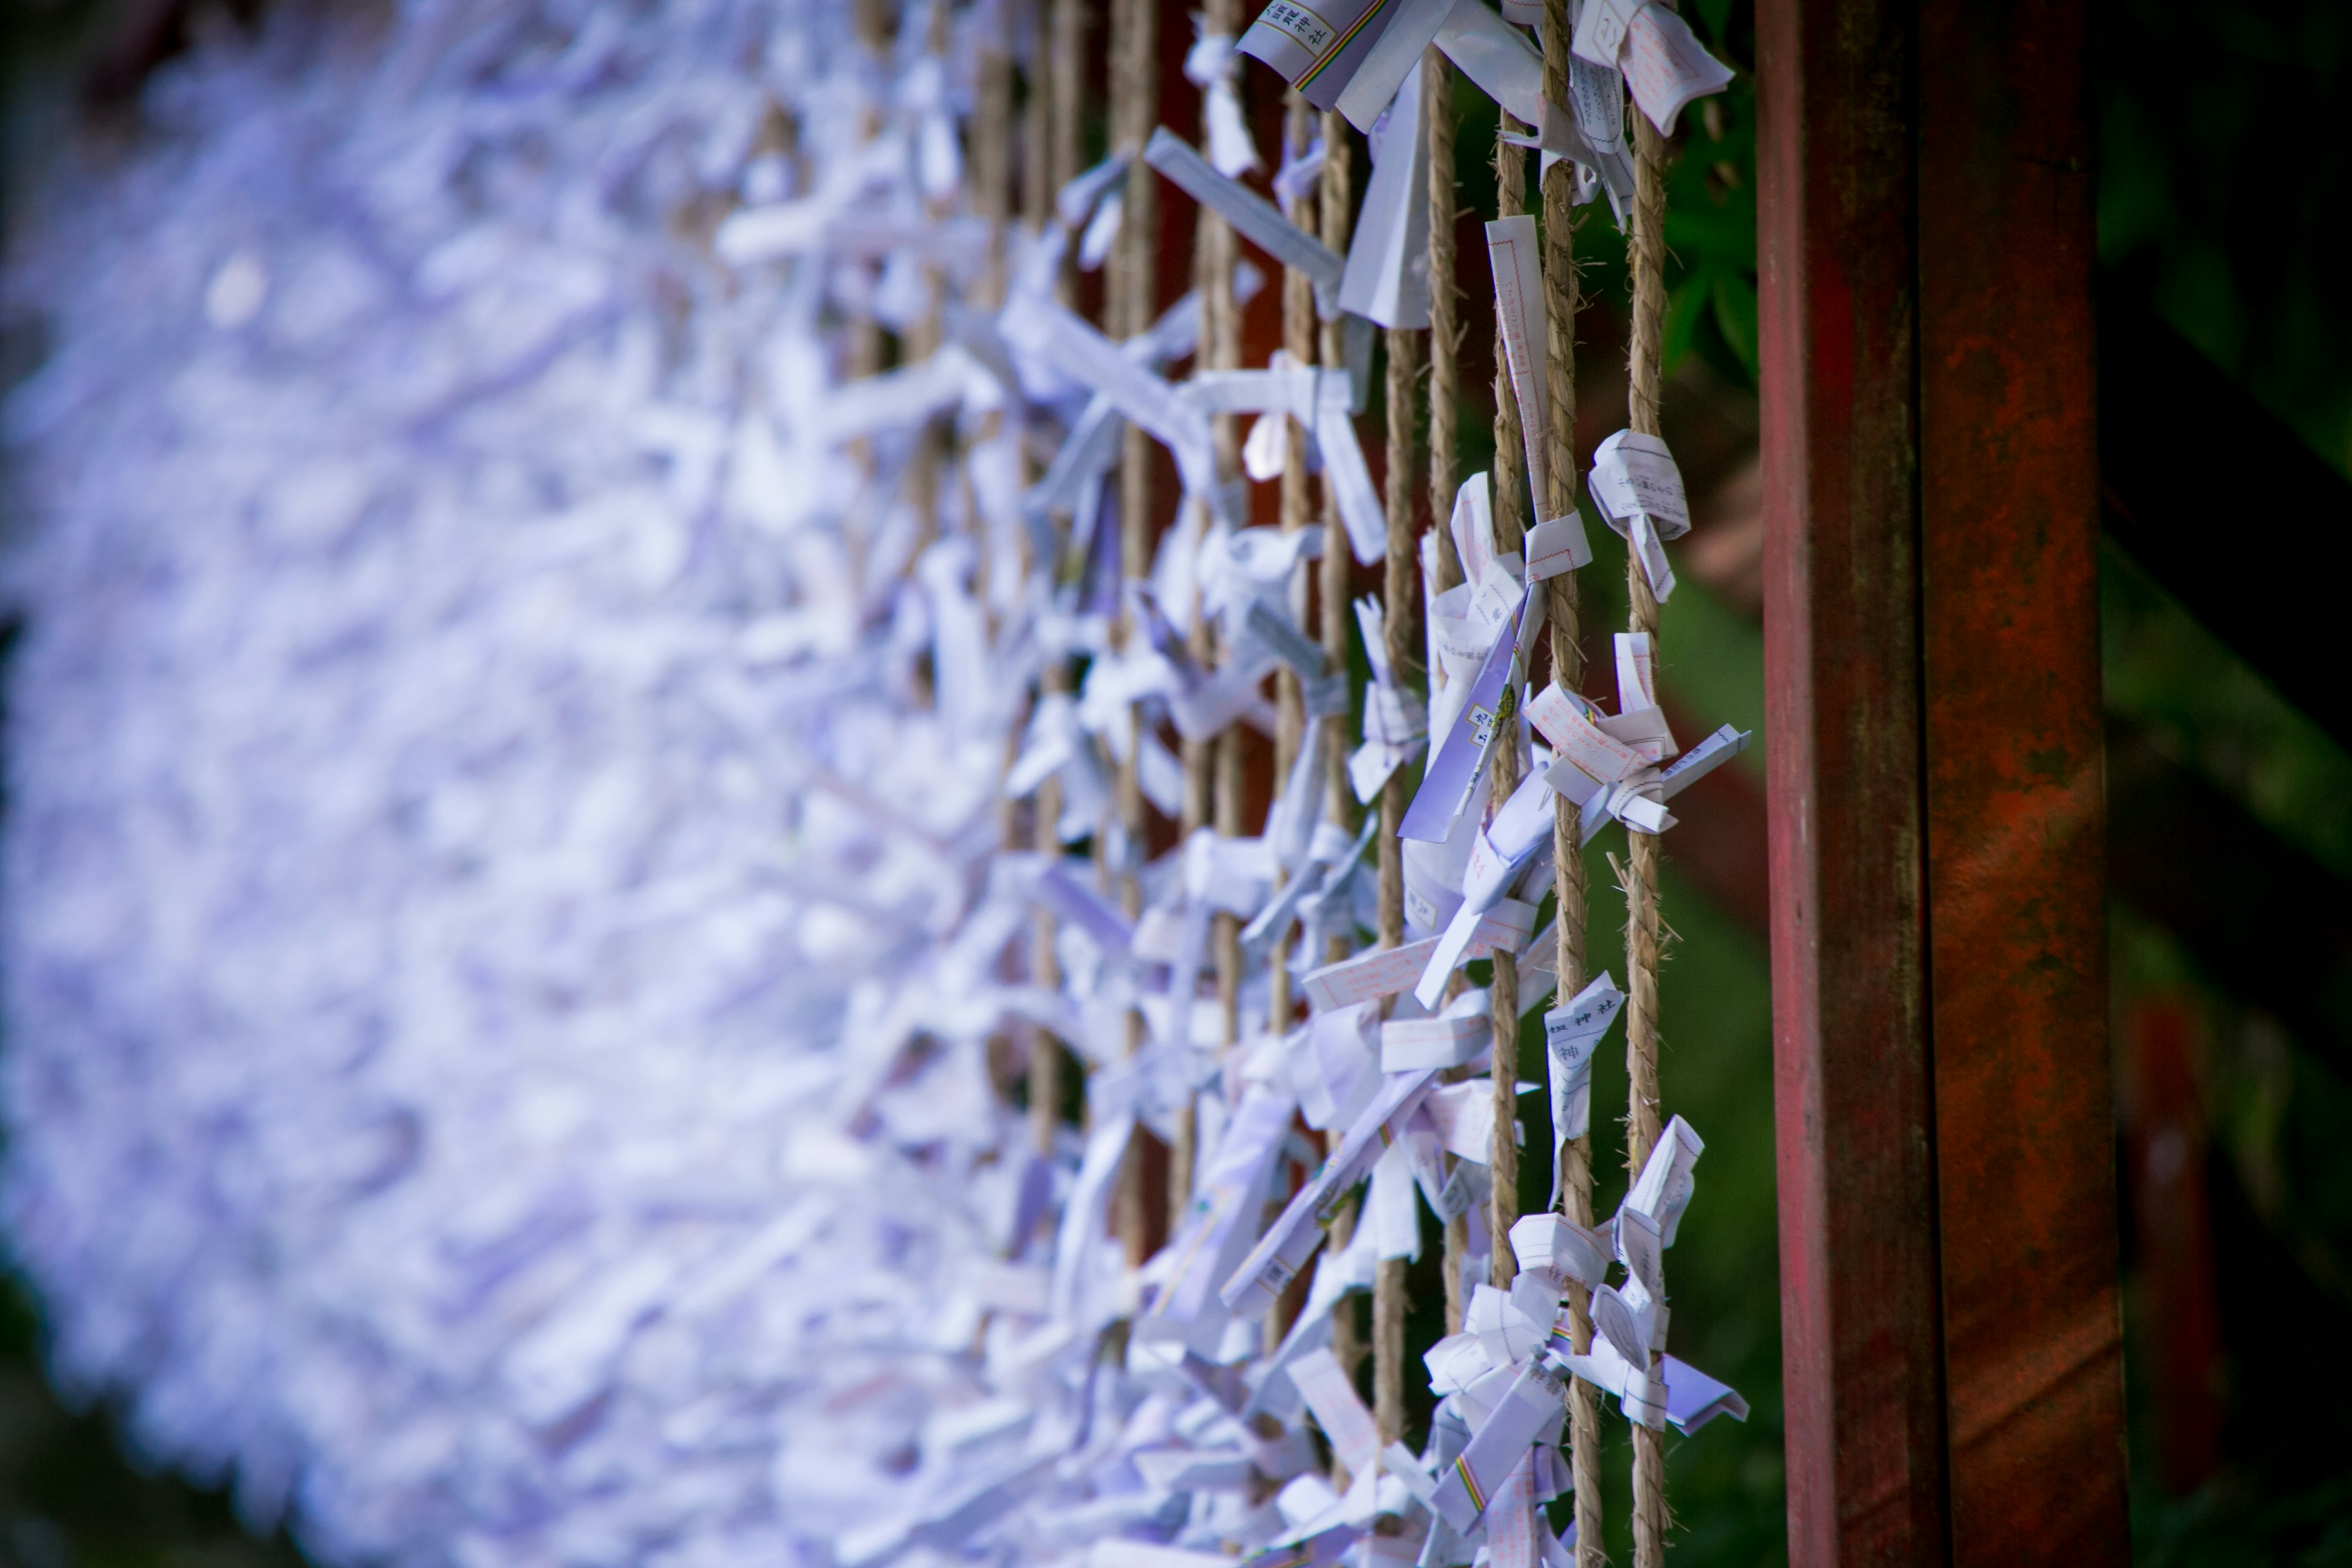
x: 2025, y: 1130
x: 1952, y: 1363
x: 1860, y: 1321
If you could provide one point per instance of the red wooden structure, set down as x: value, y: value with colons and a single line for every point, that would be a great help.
x: 1952, y: 1336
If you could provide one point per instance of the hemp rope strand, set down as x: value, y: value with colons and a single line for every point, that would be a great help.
x: 1298, y: 342
x: 1645, y: 371
x: 1560, y: 298
x: 1389, y: 1277
x: 1048, y: 148
x: 993, y: 178
x: 1335, y: 213
x: 1335, y: 208
x: 1134, y: 106
x: 1444, y: 459
x: 1510, y: 529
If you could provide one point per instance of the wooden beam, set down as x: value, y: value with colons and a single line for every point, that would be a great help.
x: 2025, y: 1130
x: 1861, y: 1341
x: 1951, y: 1352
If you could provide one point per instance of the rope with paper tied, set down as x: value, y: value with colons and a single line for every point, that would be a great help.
x: 1129, y: 302
x: 1564, y: 183
x: 1370, y: 1067
x: 1440, y: 569
x: 1382, y: 286
x: 1636, y: 487
x: 1278, y: 446
x: 1052, y: 149
x: 964, y: 531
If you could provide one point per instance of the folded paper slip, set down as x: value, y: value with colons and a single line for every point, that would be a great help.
x: 1549, y: 1244
x: 1572, y: 1031
x: 1387, y: 68
x: 1488, y: 717
x: 1318, y: 48
x: 1077, y: 350
x: 1293, y: 1239
x: 1445, y: 1041
x: 1694, y: 1399
x: 1122, y: 1553
x: 1391, y: 970
x: 1330, y: 1393
x: 1387, y: 279
x: 1496, y: 1449
x: 1234, y: 1177
x: 1635, y: 473
x: 1253, y: 218
x: 1681, y: 1394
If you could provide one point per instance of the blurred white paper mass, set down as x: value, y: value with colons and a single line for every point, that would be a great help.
x: 495, y: 1055
x: 509, y: 915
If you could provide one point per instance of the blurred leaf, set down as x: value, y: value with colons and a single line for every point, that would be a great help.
x: 1699, y: 231
x: 1716, y: 15
x: 1685, y: 308
x: 1735, y: 315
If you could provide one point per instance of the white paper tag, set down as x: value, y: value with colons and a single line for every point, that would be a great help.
x: 1518, y: 267
x: 1601, y: 31
x: 1557, y: 545
x: 1566, y: 722
x: 1636, y: 659
x: 1253, y: 218
x: 1652, y: 552
x: 1665, y: 65
x: 1390, y: 63
x: 1387, y: 278
x: 1445, y: 1041
x: 1572, y: 1031
x: 1702, y: 759
x: 1597, y: 95
x: 1497, y: 57
x: 1360, y: 512
x: 1633, y: 474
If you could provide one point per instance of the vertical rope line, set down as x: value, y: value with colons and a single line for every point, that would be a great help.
x: 1510, y: 530
x: 1221, y: 346
x: 1402, y: 344
x: 1043, y: 156
x: 1444, y: 294
x: 990, y: 198
x: 1335, y: 203
x: 1037, y: 122
x: 1298, y: 342
x: 1063, y: 41
x: 1221, y: 330
x: 1444, y: 463
x: 1560, y: 300
x: 1388, y: 1349
x: 1642, y: 872
x: 1134, y: 105
x: 1335, y: 212
x: 1388, y: 1278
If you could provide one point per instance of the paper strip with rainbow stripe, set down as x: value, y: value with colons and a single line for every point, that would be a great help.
x: 1318, y: 47
x: 1482, y: 1466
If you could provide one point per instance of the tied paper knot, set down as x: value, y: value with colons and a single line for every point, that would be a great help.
x: 1299, y: 173
x: 1664, y: 63
x: 1627, y: 1357
x: 1211, y: 65
x: 1616, y: 767
x: 1639, y: 490
x: 1396, y: 726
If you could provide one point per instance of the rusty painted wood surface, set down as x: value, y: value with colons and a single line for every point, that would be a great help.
x: 2016, y: 868
x: 1860, y: 1319
x: 1952, y: 1359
